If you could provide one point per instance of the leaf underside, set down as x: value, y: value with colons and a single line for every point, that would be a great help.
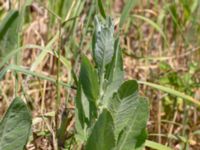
x: 130, y: 114
x: 103, y: 48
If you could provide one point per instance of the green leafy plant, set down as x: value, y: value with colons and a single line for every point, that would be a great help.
x: 110, y: 114
x: 15, y: 127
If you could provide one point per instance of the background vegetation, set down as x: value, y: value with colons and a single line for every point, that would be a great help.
x: 42, y: 42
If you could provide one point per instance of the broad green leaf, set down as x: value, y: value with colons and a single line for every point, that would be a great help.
x: 114, y: 74
x: 103, y: 44
x: 79, y: 106
x: 86, y: 105
x: 89, y: 80
x: 82, y: 115
x: 123, y: 103
x: 9, y: 32
x: 15, y: 126
x: 130, y: 114
x: 131, y: 134
x: 80, y: 135
x: 101, y: 9
x: 127, y: 8
x: 102, y: 136
x: 141, y: 140
x: 128, y: 88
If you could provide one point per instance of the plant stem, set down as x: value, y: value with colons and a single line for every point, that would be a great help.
x: 58, y: 69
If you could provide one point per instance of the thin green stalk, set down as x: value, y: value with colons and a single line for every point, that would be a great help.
x: 58, y: 99
x: 101, y: 81
x: 61, y: 133
x: 184, y: 122
x: 85, y: 28
x: 77, y: 8
x: 17, y: 56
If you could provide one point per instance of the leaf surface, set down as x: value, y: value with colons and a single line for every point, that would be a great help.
x: 15, y: 126
x: 132, y: 132
x: 130, y: 114
x: 103, y: 43
x: 89, y: 80
x: 126, y: 10
x: 82, y: 114
x: 101, y: 9
x: 9, y: 32
x: 102, y: 136
x: 114, y: 74
x: 79, y: 106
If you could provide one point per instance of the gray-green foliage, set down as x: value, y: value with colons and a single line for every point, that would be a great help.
x: 103, y: 46
x: 15, y: 126
x: 102, y: 136
x: 110, y: 114
x: 114, y: 73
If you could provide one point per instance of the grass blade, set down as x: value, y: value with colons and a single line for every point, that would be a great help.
x: 172, y: 91
x: 7, y: 22
x: 101, y: 9
x: 28, y: 72
x: 43, y: 53
x: 153, y: 24
x: 30, y: 46
x: 127, y: 8
x: 156, y: 146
